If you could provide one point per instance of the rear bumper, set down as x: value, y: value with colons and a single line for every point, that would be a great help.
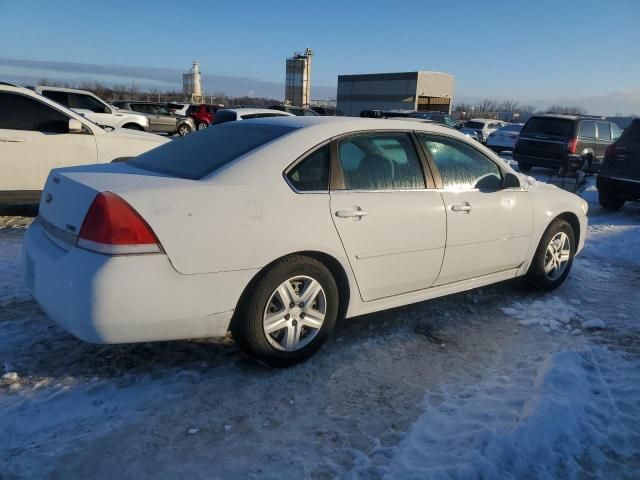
x: 550, y: 162
x: 626, y: 188
x: 122, y: 299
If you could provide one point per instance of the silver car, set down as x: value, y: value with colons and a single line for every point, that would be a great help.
x: 161, y: 120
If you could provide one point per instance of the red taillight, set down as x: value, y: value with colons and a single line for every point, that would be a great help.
x: 113, y: 227
x: 572, y: 144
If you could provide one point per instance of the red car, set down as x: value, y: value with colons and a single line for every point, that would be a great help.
x: 203, y: 114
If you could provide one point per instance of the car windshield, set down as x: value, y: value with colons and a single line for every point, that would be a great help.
x: 475, y: 125
x: 557, y: 127
x: 195, y: 156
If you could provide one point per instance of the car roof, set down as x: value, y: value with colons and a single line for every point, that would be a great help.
x: 62, y: 89
x: 485, y: 120
x: 246, y: 111
x: 341, y: 125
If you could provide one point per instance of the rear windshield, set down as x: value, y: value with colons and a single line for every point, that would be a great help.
x: 199, y: 154
x: 557, y: 127
x: 476, y: 125
x: 223, y: 116
x: 511, y: 128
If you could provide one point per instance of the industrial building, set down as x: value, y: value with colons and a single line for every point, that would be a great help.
x: 191, y: 84
x: 390, y: 91
x: 297, y: 89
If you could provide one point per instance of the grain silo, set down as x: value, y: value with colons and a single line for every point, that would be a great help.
x: 298, y: 79
x: 191, y: 84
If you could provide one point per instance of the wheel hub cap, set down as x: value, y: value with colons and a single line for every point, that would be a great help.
x: 294, y: 313
x: 557, y: 256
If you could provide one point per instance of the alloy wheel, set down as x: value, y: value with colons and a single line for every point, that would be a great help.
x: 557, y: 256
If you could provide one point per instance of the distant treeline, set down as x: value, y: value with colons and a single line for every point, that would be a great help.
x: 132, y: 92
x: 495, y: 109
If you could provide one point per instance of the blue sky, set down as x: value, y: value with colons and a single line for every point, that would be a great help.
x: 532, y: 50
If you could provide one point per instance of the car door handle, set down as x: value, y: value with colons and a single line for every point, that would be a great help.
x: 462, y: 207
x: 355, y: 213
x: 13, y: 140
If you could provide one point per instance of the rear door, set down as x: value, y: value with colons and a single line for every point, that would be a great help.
x: 34, y: 138
x: 392, y: 227
x: 165, y: 121
x: 488, y: 227
x: 603, y: 139
x: 545, y: 137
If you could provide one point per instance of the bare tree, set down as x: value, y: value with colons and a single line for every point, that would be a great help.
x: 509, y: 106
x: 487, y: 105
x: 565, y: 109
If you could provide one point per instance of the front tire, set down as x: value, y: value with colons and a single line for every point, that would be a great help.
x: 288, y: 313
x: 202, y: 125
x: 554, y: 256
x: 608, y: 201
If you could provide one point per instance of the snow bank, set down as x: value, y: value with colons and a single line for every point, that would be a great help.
x: 551, y: 313
x: 555, y: 420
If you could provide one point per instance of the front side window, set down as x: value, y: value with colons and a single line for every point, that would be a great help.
x: 383, y: 161
x: 587, y: 130
x: 460, y: 165
x: 19, y: 112
x: 604, y: 132
x: 312, y: 173
x: 87, y: 102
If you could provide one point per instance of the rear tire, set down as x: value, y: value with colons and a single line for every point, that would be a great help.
x: 271, y: 326
x: 554, y: 256
x: 608, y: 201
x: 524, y: 166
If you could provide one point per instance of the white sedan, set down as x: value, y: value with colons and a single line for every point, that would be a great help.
x: 504, y: 138
x: 274, y: 228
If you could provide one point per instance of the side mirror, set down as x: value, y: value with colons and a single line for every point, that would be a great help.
x: 510, y: 181
x: 75, y: 126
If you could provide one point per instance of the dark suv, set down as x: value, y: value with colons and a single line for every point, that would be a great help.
x: 553, y: 141
x: 619, y: 178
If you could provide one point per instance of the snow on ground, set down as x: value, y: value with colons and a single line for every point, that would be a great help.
x: 500, y: 382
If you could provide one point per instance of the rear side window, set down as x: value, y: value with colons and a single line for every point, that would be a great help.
x: 604, y: 132
x: 555, y: 127
x: 476, y: 125
x: 61, y: 97
x: 615, y: 132
x: 380, y: 162
x: 87, y: 102
x: 19, y: 112
x: 195, y: 156
x: 312, y: 173
x: 223, y: 116
x: 587, y: 130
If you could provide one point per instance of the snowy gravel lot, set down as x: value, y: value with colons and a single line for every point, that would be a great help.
x: 500, y: 382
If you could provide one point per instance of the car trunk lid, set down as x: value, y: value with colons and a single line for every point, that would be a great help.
x: 69, y: 193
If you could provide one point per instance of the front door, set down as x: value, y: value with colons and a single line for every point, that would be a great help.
x: 34, y: 138
x: 391, y: 226
x: 488, y: 227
